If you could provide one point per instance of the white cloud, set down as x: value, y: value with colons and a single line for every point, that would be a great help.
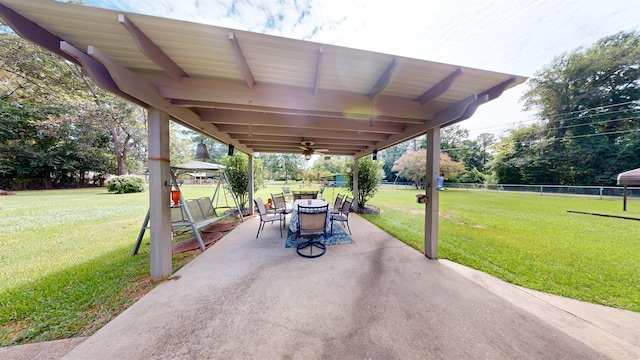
x: 517, y: 36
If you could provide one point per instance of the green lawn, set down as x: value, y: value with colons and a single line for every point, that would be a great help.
x: 530, y: 240
x: 66, y: 267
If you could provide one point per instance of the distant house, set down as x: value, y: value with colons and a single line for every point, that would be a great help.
x: 336, y: 180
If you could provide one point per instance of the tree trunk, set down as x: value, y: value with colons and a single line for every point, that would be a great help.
x: 117, y: 149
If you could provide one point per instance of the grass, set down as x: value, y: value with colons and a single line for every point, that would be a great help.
x: 529, y: 240
x: 65, y: 261
x: 66, y: 267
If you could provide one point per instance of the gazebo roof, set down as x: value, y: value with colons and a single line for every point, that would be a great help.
x: 199, y: 166
x: 258, y: 92
x: 631, y: 177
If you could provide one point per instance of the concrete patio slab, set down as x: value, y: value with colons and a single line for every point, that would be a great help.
x: 375, y: 299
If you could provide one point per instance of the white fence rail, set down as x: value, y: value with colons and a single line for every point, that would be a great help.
x: 601, y: 191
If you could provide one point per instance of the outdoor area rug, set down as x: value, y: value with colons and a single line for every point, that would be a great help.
x: 339, y: 237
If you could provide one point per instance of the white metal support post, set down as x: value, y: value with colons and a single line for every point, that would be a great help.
x: 159, y: 194
x: 432, y: 204
x: 355, y: 184
x: 251, y: 188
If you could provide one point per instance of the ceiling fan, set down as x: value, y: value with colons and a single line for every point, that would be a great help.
x: 308, y: 150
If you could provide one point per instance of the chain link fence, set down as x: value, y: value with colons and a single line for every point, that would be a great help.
x: 601, y: 191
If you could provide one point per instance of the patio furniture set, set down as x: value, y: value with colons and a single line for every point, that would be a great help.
x: 310, y: 218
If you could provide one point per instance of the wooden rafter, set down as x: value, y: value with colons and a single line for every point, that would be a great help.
x: 301, y: 132
x: 440, y: 88
x: 384, y: 79
x: 32, y: 31
x: 308, y: 122
x: 497, y: 90
x: 151, y: 50
x: 242, y: 61
x: 350, y: 104
x: 96, y: 71
x: 316, y: 82
x: 470, y: 110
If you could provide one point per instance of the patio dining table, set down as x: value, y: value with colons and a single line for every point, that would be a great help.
x: 294, y: 223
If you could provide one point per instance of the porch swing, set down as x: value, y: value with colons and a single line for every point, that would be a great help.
x: 193, y: 214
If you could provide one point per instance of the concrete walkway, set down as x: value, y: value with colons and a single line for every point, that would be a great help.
x: 376, y: 299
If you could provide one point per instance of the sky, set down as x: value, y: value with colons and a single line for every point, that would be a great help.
x: 517, y: 37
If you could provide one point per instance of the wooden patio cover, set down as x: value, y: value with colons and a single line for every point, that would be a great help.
x: 258, y: 92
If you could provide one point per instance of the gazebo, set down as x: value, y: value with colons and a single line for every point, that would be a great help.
x: 257, y: 93
x: 628, y: 178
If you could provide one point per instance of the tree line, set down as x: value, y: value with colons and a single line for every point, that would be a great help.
x: 58, y: 129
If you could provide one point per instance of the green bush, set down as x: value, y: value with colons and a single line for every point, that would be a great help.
x: 125, y: 184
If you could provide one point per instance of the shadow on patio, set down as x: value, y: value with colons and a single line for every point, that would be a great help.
x: 378, y: 298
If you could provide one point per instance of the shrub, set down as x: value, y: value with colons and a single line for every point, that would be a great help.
x: 125, y: 184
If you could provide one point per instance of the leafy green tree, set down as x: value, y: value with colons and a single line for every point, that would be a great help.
x: 283, y: 166
x: 237, y: 170
x: 370, y: 175
x: 32, y: 74
x: 389, y: 157
x: 326, y: 167
x: 588, y: 103
x: 452, y: 141
x: 413, y: 166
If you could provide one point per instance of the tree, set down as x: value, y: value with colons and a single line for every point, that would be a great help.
x: 369, y: 178
x: 237, y: 170
x: 451, y: 140
x: 31, y: 74
x: 283, y: 166
x: 326, y: 167
x: 389, y: 157
x: 413, y: 166
x: 588, y: 103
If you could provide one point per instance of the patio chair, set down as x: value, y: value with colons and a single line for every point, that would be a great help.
x: 337, y: 205
x: 343, y: 215
x: 265, y: 217
x: 280, y: 206
x: 287, y: 193
x: 312, y: 221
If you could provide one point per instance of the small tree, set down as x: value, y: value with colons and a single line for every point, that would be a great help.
x: 413, y: 166
x: 370, y: 176
x: 237, y: 170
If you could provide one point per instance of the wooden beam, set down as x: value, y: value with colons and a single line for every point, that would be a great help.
x: 232, y: 117
x: 383, y: 81
x: 470, y: 110
x: 320, y: 141
x: 316, y: 82
x: 274, y: 110
x: 132, y: 86
x: 440, y: 88
x: 497, y: 90
x: 443, y: 117
x: 34, y: 32
x: 267, y: 130
x: 242, y: 61
x: 454, y: 111
x: 151, y: 50
x: 279, y: 96
x: 129, y: 82
x: 97, y: 72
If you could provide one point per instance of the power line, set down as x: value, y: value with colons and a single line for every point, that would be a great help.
x: 567, y: 113
x: 594, y: 108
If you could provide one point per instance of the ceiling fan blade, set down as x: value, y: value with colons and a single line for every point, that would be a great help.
x: 320, y: 150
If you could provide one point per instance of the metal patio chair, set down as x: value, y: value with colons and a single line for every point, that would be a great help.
x: 266, y: 217
x: 312, y: 221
